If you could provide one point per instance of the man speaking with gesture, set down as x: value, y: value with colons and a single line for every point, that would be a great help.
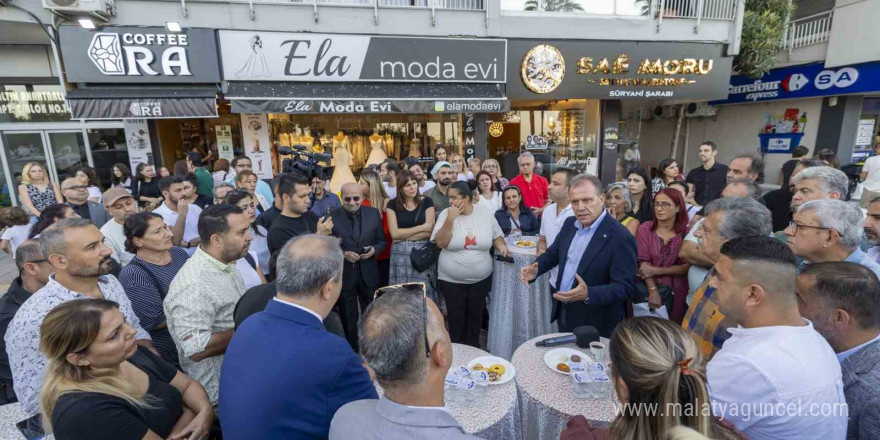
x: 597, y: 260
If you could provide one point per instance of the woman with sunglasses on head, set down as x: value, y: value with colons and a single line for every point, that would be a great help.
x: 36, y: 191
x: 466, y: 235
x: 667, y: 172
x: 514, y: 217
x: 492, y: 167
x: 375, y: 196
x: 410, y: 223
x: 101, y: 385
x: 655, y: 363
x: 659, y: 243
x: 618, y: 204
x: 148, y: 276
x: 259, y: 245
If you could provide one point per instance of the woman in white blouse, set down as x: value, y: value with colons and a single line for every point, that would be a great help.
x: 487, y: 197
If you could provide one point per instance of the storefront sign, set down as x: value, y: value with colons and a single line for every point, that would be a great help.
x: 224, y: 141
x: 612, y: 69
x: 257, y: 146
x: 804, y: 82
x: 367, y: 106
x: 536, y: 142
x: 32, y: 106
x: 469, y: 137
x: 139, y: 55
x: 865, y: 134
x: 146, y: 108
x: 137, y: 137
x: 280, y: 56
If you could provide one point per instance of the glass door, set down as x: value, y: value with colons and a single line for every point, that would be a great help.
x: 68, y: 152
x: 21, y: 148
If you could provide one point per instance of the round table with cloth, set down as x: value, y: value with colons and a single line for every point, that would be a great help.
x: 493, y: 417
x: 517, y: 312
x: 545, y: 399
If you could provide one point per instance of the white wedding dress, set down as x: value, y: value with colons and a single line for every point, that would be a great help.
x: 377, y: 154
x: 342, y: 161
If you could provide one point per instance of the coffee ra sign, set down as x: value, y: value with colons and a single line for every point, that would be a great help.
x: 278, y: 56
x: 139, y: 55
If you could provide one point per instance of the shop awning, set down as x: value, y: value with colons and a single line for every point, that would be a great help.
x: 309, y: 98
x: 143, y: 102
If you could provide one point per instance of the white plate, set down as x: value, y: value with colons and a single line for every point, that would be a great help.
x: 562, y: 354
x: 488, y: 361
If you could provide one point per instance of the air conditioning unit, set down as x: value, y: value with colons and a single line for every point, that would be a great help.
x: 700, y: 110
x: 76, y: 5
x: 664, y: 112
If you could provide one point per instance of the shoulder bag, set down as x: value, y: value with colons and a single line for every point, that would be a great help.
x: 422, y: 258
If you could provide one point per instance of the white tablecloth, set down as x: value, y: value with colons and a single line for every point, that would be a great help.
x: 517, y: 312
x: 545, y: 398
x: 494, y: 417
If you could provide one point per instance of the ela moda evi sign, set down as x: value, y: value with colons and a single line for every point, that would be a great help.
x: 806, y: 81
x: 280, y: 56
x: 123, y: 54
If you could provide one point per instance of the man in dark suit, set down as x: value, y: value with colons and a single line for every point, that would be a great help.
x: 359, y: 229
x: 284, y: 376
x: 597, y: 260
x: 842, y: 300
x: 77, y: 197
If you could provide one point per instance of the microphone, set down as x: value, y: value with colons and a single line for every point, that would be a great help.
x: 582, y: 336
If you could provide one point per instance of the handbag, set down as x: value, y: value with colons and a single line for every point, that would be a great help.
x: 422, y: 258
x: 641, y: 296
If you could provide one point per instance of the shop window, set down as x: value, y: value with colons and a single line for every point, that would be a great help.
x: 108, y: 148
x: 68, y: 153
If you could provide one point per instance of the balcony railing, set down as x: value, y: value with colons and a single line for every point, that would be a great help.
x: 699, y: 9
x: 470, y: 5
x: 807, y: 31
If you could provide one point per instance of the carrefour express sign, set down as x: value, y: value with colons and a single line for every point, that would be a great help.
x: 804, y: 81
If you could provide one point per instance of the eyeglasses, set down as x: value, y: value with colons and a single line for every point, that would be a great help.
x: 664, y: 205
x: 795, y: 226
x: 352, y: 199
x: 36, y: 261
x: 77, y: 187
x: 413, y: 288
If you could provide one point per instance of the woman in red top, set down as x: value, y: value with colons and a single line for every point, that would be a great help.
x: 375, y: 196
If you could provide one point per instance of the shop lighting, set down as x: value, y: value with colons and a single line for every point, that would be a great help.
x: 173, y: 26
x: 86, y: 23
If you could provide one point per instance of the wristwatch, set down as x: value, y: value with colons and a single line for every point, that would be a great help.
x: 185, y: 244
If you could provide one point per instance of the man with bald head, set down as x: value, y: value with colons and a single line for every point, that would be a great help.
x: 284, y: 376
x: 359, y: 229
x: 413, y: 377
x: 77, y: 197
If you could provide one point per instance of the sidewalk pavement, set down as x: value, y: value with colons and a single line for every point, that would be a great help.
x: 7, y: 271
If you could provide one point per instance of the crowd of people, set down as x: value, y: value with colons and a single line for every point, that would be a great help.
x: 211, y: 304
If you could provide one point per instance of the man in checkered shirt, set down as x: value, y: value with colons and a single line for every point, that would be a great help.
x: 726, y: 219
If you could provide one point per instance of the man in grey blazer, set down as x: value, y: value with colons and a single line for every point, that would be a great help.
x: 77, y: 196
x: 842, y: 300
x: 413, y: 379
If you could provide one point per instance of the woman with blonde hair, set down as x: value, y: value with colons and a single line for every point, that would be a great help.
x: 36, y: 190
x: 376, y: 196
x: 492, y: 167
x: 100, y: 384
x: 655, y: 363
x: 458, y: 165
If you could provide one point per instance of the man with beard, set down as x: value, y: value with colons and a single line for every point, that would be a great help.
x: 201, y: 299
x: 75, y: 249
x: 872, y: 229
x: 179, y: 215
x: 413, y: 166
x: 439, y: 194
x: 360, y: 232
x: 842, y: 300
x: 295, y: 219
x: 120, y: 204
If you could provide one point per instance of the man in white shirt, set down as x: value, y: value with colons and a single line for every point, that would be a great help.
x: 842, y: 300
x: 120, y: 204
x: 776, y: 377
x: 555, y: 214
x: 870, y: 176
x: 424, y: 184
x: 388, y: 171
x: 185, y: 226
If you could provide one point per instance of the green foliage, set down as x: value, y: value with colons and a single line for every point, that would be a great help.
x: 553, y: 5
x: 762, y: 31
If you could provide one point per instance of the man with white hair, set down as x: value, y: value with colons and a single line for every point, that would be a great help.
x: 828, y: 230
x: 535, y: 188
x: 818, y: 183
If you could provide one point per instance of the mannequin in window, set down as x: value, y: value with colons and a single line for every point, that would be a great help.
x: 415, y: 148
x: 377, y: 153
x: 342, y: 161
x: 308, y: 141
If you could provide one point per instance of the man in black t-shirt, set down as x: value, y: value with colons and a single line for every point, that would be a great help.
x: 295, y: 218
x: 268, y: 216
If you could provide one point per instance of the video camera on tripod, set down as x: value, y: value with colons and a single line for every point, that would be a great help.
x: 306, y: 163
